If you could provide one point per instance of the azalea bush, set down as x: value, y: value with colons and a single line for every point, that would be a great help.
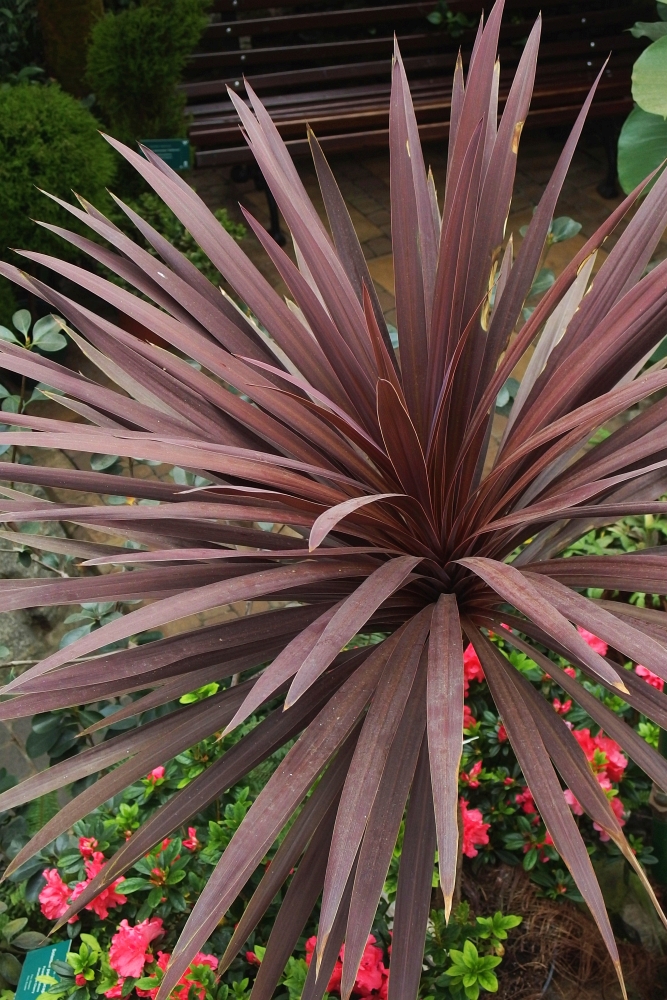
x: 134, y: 922
x: 407, y: 511
x: 123, y: 937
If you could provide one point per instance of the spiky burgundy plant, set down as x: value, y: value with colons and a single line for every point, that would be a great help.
x: 304, y: 416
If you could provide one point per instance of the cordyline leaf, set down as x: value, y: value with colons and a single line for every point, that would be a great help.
x: 326, y: 957
x: 300, y: 898
x: 637, y: 747
x: 415, y: 878
x: 345, y: 237
x: 368, y: 763
x: 327, y: 521
x: 516, y: 588
x: 200, y: 599
x: 315, y: 812
x: 444, y: 708
x: 284, y: 666
x: 640, y: 695
x: 348, y: 619
x: 641, y: 648
x: 387, y: 513
x: 382, y: 830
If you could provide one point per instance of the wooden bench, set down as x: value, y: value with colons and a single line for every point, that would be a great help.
x: 327, y: 64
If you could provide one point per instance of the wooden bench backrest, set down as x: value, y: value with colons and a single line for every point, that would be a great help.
x: 314, y: 44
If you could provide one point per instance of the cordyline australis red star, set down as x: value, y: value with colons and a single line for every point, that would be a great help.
x: 376, y: 462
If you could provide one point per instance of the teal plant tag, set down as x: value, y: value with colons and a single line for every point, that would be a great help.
x: 174, y: 152
x: 38, y: 964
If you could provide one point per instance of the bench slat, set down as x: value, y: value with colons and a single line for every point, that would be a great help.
x: 353, y: 142
x: 291, y: 23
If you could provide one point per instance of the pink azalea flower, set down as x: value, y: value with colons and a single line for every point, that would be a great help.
x: 617, y: 808
x: 526, y: 801
x: 157, y: 774
x: 471, y: 778
x: 54, y: 897
x: 372, y: 976
x: 597, y: 645
x: 585, y: 741
x: 87, y: 846
x: 474, y: 829
x: 369, y: 976
x: 468, y: 718
x: 562, y: 707
x: 570, y: 671
x: 573, y: 803
x: 616, y: 761
x: 108, y: 898
x: 80, y: 979
x: 472, y: 668
x: 191, y: 843
x: 650, y: 677
x: 127, y: 955
x: 502, y: 733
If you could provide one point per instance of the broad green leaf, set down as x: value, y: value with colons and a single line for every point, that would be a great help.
x: 99, y: 462
x: 30, y: 940
x: 563, y: 228
x: 488, y: 981
x: 13, y: 927
x: 543, y: 282
x: 51, y: 342
x: 10, y: 968
x: 649, y: 78
x: 642, y: 146
x: 8, y: 336
x: 135, y: 885
x: 76, y: 633
x: 649, y: 29
x: 11, y: 404
x: 22, y: 320
x: 45, y: 326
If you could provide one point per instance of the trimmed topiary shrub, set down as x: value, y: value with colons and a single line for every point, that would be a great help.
x: 135, y: 62
x: 49, y: 141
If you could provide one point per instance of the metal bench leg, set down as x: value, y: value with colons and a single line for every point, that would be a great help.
x: 274, y: 229
x: 242, y: 172
x: 608, y: 187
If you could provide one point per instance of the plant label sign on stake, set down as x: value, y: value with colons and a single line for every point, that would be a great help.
x: 38, y: 969
x: 174, y: 152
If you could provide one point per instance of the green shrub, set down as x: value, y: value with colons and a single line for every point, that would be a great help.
x: 135, y: 62
x: 49, y: 141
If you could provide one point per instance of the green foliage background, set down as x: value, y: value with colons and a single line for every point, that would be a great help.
x: 135, y: 61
